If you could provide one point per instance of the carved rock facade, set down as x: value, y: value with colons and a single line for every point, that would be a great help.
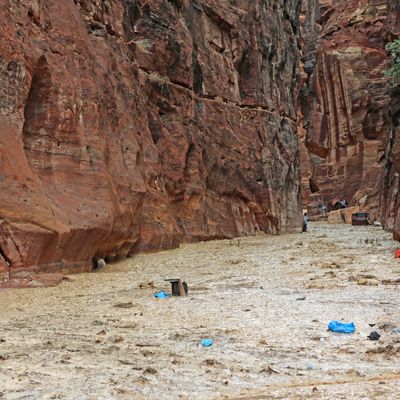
x: 344, y: 102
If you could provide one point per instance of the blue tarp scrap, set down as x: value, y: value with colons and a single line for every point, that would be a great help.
x: 161, y: 295
x: 336, y: 326
x: 206, y: 342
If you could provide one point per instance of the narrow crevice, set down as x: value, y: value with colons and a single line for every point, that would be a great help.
x: 213, y: 97
x: 7, y: 260
x: 181, y: 84
x: 198, y: 80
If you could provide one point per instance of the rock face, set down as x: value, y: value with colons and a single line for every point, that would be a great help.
x: 134, y: 125
x: 344, y: 101
x: 342, y: 216
x: 390, y: 194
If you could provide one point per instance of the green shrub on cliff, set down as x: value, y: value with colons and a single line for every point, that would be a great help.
x: 393, y: 72
x: 106, y: 5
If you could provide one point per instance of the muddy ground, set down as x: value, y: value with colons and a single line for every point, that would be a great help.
x: 265, y: 302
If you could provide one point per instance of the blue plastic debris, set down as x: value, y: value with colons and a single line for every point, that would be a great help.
x: 161, y: 295
x: 396, y: 330
x: 336, y: 326
x: 309, y: 366
x: 206, y: 342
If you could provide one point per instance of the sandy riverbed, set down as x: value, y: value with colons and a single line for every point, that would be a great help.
x: 265, y: 302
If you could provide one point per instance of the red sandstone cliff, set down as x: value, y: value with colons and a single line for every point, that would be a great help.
x: 135, y: 125
x: 390, y: 189
x: 345, y: 101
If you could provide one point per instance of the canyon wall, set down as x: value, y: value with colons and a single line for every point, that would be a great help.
x: 344, y: 101
x: 134, y: 125
x: 390, y: 195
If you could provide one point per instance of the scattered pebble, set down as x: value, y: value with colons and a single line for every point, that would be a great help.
x: 362, y: 281
x: 374, y: 336
x: 124, y: 305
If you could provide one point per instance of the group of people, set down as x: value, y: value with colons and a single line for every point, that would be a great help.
x: 323, y: 209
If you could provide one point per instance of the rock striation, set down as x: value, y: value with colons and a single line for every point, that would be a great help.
x: 344, y: 101
x: 135, y: 125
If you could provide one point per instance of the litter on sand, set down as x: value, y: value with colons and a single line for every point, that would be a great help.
x: 340, y: 327
x: 206, y: 342
x: 161, y: 295
x: 374, y: 336
x: 178, y: 287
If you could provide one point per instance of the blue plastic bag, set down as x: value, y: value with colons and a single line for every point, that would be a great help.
x: 161, y: 295
x: 206, y: 342
x: 336, y: 326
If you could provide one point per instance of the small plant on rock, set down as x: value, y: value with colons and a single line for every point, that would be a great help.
x: 393, y: 73
x: 161, y: 81
x: 144, y: 45
x: 106, y: 5
x: 156, y: 77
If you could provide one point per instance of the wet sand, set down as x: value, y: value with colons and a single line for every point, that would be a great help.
x: 265, y: 302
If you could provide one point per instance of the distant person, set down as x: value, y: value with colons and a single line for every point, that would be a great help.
x: 322, y: 208
x: 305, y: 223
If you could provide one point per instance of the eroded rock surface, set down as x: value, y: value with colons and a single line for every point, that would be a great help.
x: 345, y: 101
x: 390, y: 196
x: 135, y: 125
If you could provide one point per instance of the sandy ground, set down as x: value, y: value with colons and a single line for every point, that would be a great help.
x: 266, y: 304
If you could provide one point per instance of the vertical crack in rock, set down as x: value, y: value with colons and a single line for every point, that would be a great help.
x: 5, y: 266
